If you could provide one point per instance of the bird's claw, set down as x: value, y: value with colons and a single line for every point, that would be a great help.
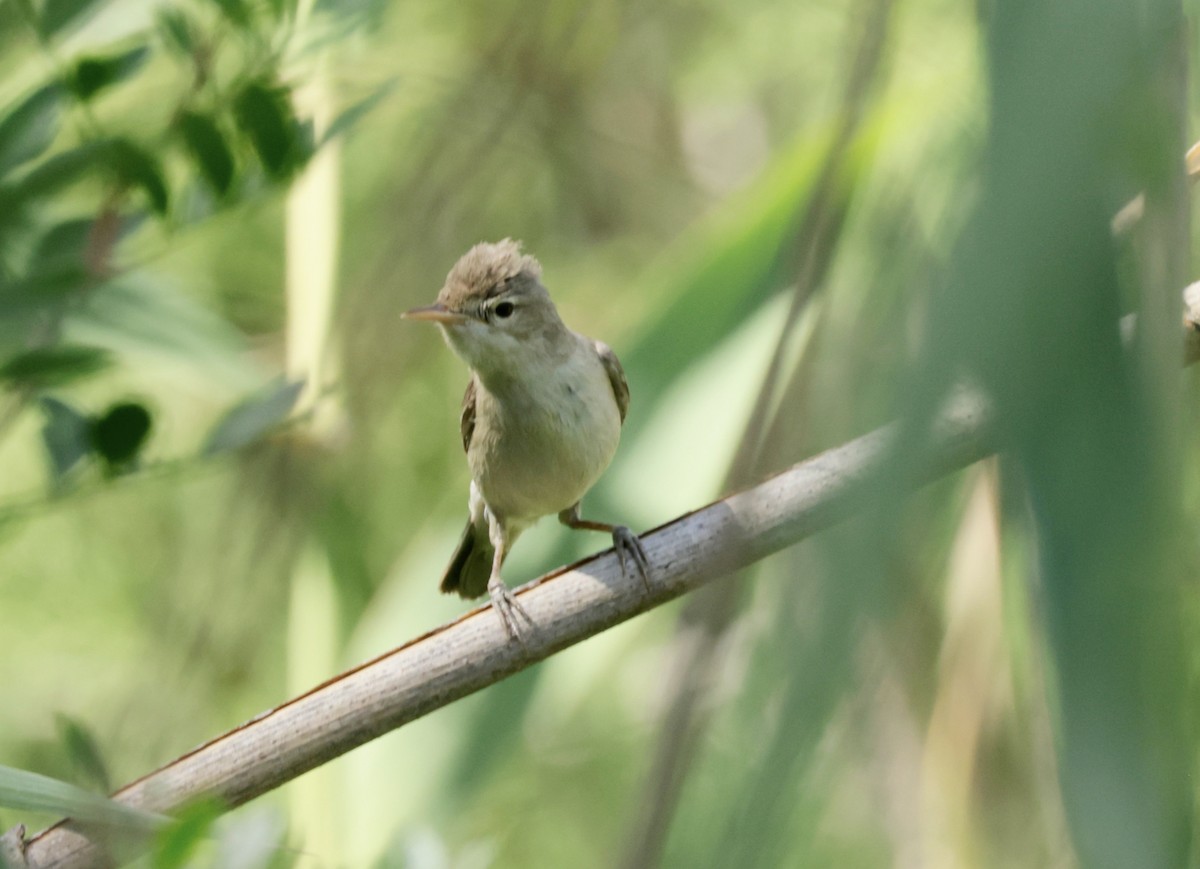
x: 508, y: 608
x: 629, y: 549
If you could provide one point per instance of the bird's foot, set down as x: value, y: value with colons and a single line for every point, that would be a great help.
x: 630, y: 551
x: 508, y: 608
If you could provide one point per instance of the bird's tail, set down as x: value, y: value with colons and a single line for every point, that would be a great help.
x: 471, y: 567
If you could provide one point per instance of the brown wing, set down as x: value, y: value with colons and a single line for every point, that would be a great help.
x: 466, y: 422
x: 616, y: 376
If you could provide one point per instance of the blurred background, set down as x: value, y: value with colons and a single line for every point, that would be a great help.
x: 228, y: 470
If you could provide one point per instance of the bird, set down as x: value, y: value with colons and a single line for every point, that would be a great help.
x: 541, y: 417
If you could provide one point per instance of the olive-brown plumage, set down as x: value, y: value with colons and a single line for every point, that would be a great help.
x: 541, y: 416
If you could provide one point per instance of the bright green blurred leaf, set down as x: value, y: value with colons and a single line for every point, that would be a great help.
x: 67, y: 436
x: 84, y: 752
x: 177, y: 843
x: 352, y: 115
x: 177, y: 31
x: 281, y: 9
x: 28, y: 129
x: 28, y: 791
x: 91, y: 75
x: 56, y: 15
x: 354, y: 13
x: 235, y: 10
x: 53, y: 366
x: 721, y: 272
x: 56, y: 173
x: 342, y: 529
x: 139, y: 314
x: 249, y: 420
x: 209, y: 149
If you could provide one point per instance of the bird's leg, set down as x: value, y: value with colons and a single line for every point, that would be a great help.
x: 625, y: 542
x: 503, y: 600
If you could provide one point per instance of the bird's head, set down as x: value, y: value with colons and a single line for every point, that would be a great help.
x: 493, y: 308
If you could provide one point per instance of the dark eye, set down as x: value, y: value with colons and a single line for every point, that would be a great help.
x: 504, y: 310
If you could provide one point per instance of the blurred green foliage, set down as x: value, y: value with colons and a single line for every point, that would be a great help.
x: 197, y: 519
x: 81, y: 185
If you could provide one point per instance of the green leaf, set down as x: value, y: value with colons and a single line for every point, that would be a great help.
x: 264, y: 113
x: 52, y: 366
x: 56, y: 15
x: 352, y: 115
x: 197, y: 202
x: 31, y: 792
x: 723, y: 269
x: 342, y: 528
x: 21, y: 313
x: 132, y: 165
x: 91, y: 75
x: 235, y: 10
x: 67, y: 436
x: 27, y: 11
x: 28, y: 129
x: 64, y: 246
x: 249, y: 420
x: 209, y: 149
x: 45, y: 288
x: 84, y: 752
x: 58, y: 264
x: 140, y: 314
x: 139, y: 168
x: 365, y: 14
x: 63, y: 262
x: 61, y: 243
x: 177, y: 31
x: 57, y: 172
x: 119, y: 435
x: 281, y: 9
x: 176, y: 843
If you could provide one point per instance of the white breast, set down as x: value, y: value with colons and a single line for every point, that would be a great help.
x: 544, y: 441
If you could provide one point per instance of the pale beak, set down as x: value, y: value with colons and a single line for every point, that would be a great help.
x: 435, y: 314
